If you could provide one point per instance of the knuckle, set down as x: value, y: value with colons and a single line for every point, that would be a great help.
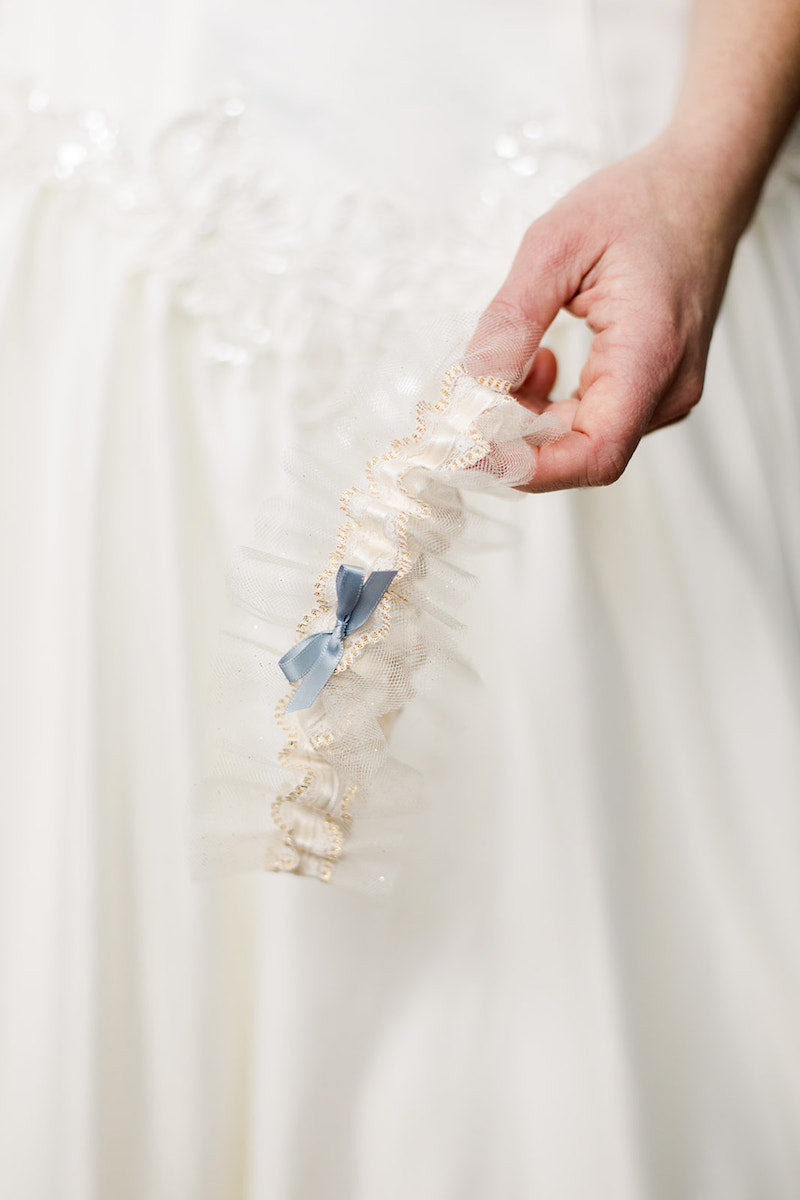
x: 507, y: 307
x: 666, y: 346
x: 504, y: 340
x: 685, y: 399
x: 551, y: 242
x: 693, y: 394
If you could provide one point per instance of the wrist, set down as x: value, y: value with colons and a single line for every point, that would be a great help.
x: 717, y: 181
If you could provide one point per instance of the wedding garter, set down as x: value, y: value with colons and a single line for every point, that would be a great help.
x: 350, y: 592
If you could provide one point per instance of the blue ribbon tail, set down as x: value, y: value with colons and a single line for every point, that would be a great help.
x: 301, y: 658
x: 318, y: 674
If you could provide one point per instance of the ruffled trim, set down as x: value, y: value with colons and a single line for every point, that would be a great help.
x: 339, y: 795
x: 288, y: 293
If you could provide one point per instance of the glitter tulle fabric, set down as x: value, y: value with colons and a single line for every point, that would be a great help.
x: 319, y: 792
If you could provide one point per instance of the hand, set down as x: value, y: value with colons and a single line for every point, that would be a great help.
x: 641, y: 251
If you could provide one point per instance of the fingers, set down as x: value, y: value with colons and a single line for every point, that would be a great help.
x: 534, y: 392
x: 606, y: 427
x: 637, y: 377
x: 503, y: 344
x: 678, y: 403
x: 544, y: 276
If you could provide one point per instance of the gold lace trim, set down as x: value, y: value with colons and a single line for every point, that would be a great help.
x: 338, y: 826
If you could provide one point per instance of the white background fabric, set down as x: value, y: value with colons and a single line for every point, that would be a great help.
x: 586, y: 983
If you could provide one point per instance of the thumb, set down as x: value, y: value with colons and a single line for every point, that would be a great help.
x: 544, y: 277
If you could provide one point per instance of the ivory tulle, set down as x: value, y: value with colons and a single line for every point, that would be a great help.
x: 319, y: 791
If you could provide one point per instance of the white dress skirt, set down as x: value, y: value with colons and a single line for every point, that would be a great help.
x: 585, y: 981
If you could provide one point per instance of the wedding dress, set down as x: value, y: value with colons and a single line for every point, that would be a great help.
x: 218, y: 222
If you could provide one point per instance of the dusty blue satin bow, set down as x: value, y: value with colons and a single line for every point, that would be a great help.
x: 315, y: 658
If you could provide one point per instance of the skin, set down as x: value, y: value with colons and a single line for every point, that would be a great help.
x: 642, y: 249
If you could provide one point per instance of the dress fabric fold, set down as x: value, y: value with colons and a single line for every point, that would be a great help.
x: 242, y: 240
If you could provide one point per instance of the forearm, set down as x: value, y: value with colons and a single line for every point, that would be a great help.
x: 739, y: 94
